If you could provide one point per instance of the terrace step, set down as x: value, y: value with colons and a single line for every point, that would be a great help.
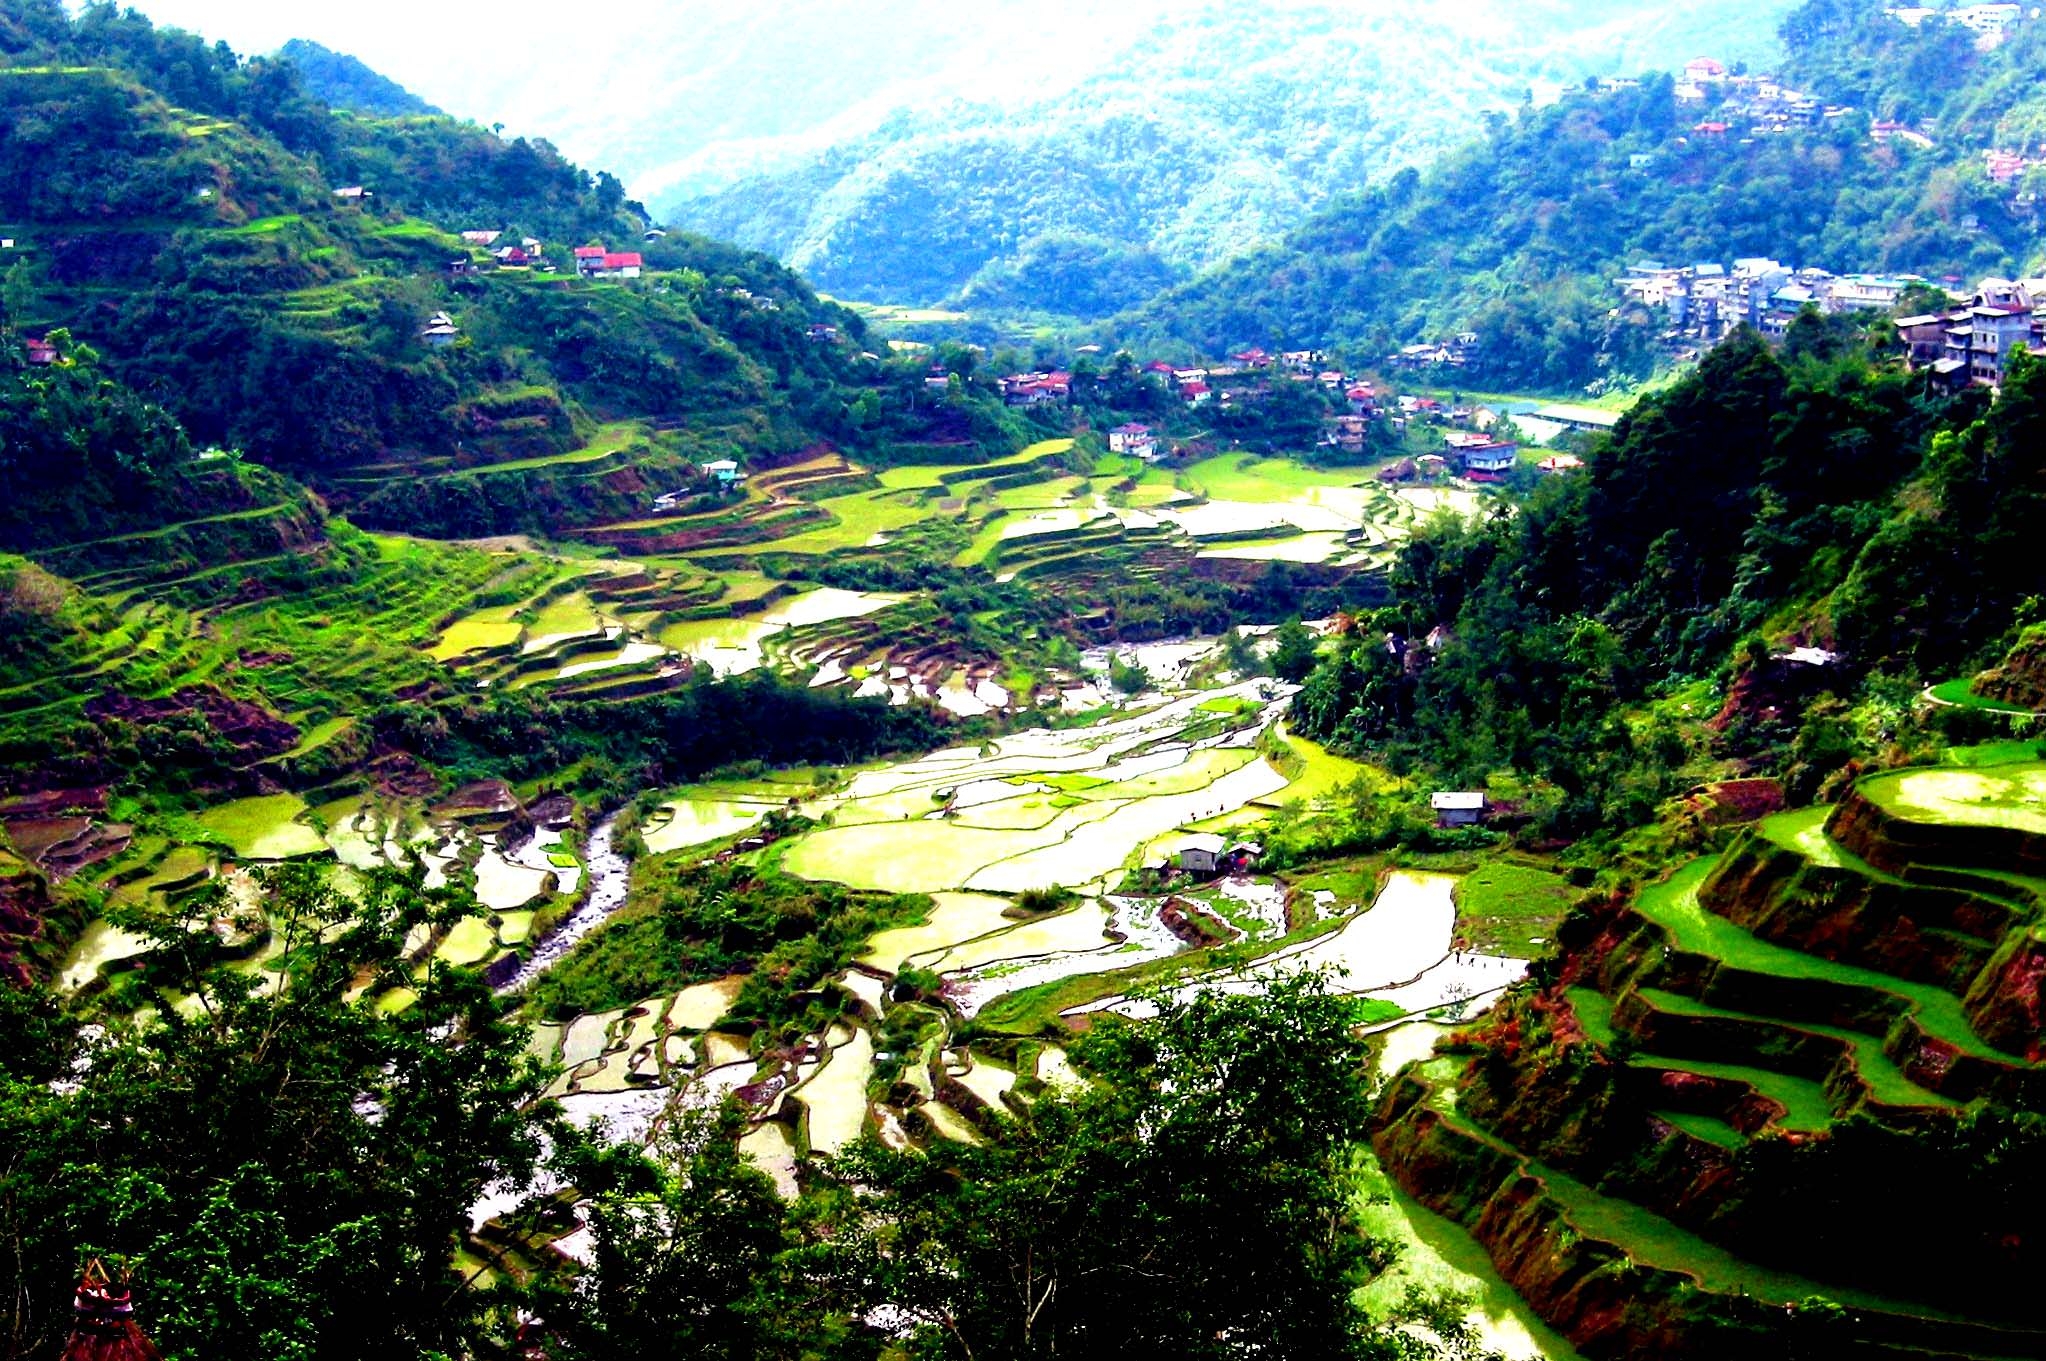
x: 1843, y: 1060
x: 1624, y: 1280
x: 1719, y: 963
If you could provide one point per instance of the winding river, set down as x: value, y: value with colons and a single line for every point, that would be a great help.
x: 609, y: 876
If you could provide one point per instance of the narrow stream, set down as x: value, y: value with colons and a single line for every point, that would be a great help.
x: 608, y: 876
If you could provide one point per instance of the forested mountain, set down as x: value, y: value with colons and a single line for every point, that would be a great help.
x: 559, y: 797
x: 1208, y: 131
x: 208, y: 254
x: 1520, y: 236
x: 342, y: 82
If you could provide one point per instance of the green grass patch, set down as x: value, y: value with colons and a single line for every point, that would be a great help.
x: 1995, y: 753
x: 320, y: 735
x: 1511, y: 908
x: 1804, y: 1101
x: 1654, y: 1241
x: 1885, y: 1079
x: 609, y: 440
x: 1961, y: 693
x: 1436, y: 1255
x: 265, y: 828
x: 1266, y: 481
x: 1709, y: 1128
x: 1594, y: 1012
x: 2012, y: 796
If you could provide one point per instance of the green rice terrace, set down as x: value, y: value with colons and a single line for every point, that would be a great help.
x: 979, y: 901
x: 1776, y: 1056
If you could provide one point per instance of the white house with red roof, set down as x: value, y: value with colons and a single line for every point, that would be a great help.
x: 1704, y: 71
x: 1134, y: 439
x: 599, y: 262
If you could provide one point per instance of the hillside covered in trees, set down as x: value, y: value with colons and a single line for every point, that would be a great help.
x: 1213, y: 130
x: 587, y: 805
x: 1520, y: 236
x: 341, y: 82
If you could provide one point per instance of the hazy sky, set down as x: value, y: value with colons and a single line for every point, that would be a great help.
x: 655, y: 86
x: 680, y: 97
x: 441, y: 50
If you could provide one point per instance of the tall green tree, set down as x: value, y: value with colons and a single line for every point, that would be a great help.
x: 1192, y: 1202
x: 1294, y: 652
x: 288, y: 1170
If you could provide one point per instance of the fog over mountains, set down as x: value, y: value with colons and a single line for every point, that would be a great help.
x: 920, y: 151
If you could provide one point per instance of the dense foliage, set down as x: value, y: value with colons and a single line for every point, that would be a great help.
x: 1205, y: 133
x: 690, y: 923
x: 201, y: 250
x: 341, y: 82
x: 285, y: 1172
x: 1191, y: 1201
x: 1520, y: 236
x: 80, y: 455
x: 1758, y: 494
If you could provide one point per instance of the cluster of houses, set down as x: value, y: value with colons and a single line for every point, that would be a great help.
x: 1707, y: 302
x: 721, y: 474
x: 591, y: 262
x: 1027, y: 389
x: 1972, y: 342
x: 1968, y: 342
x: 1988, y: 21
x: 1755, y: 106
x: 1246, y: 378
x: 746, y: 297
x: 1456, y: 352
x: 2008, y: 167
x: 529, y: 253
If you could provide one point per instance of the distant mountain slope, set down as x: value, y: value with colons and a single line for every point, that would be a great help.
x: 268, y: 271
x: 1520, y: 236
x: 1213, y: 129
x: 345, y: 83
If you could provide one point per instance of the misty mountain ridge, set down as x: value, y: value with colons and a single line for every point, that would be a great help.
x: 1207, y: 133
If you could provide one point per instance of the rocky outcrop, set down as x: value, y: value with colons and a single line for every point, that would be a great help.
x: 2020, y: 678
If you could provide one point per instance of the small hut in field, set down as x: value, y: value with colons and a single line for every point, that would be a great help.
x: 104, y: 1327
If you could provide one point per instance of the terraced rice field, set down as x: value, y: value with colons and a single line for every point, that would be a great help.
x: 1673, y: 904
x: 100, y: 944
x: 1437, y: 1255
x: 891, y: 831
x: 836, y: 1095
x: 956, y: 917
x: 1401, y: 951
x: 481, y: 632
x: 266, y: 828
x: 693, y: 822
x: 2000, y: 796
x: 735, y: 646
